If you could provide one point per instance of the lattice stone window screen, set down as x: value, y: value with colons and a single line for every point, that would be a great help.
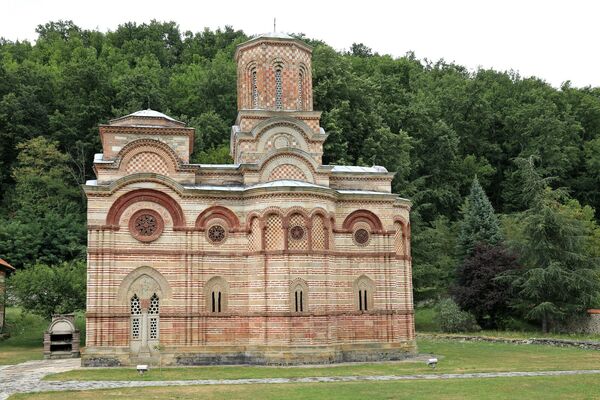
x: 254, y: 90
x: 318, y: 233
x: 136, y: 312
x: 135, y: 328
x: 154, y: 304
x: 398, y: 238
x: 154, y: 328
x: 297, y: 235
x: 278, y: 89
x: 254, y: 238
x: 136, y: 308
x: 274, y: 233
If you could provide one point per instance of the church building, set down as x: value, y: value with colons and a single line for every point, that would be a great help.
x: 274, y: 259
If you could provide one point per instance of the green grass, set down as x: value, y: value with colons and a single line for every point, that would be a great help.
x: 531, y: 388
x: 456, y: 357
x: 26, y: 336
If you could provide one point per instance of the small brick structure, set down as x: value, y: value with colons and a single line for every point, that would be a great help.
x: 5, y: 268
x: 61, y: 340
x: 593, y: 322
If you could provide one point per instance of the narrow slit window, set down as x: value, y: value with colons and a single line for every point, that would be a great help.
x: 278, y: 89
x: 360, y: 302
x: 213, y: 301
x: 301, y: 90
x: 219, y: 303
x: 366, y: 307
x: 296, y: 295
x: 301, y: 302
x: 254, y: 90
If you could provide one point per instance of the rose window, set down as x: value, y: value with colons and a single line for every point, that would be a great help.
x: 361, y: 236
x: 216, y: 234
x: 146, y: 225
x: 297, y: 232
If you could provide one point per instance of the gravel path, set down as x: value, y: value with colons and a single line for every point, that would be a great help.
x: 26, y: 377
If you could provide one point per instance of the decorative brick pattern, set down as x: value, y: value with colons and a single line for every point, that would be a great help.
x: 287, y: 171
x: 297, y: 225
x: 147, y: 162
x: 319, y: 233
x: 254, y: 238
x: 398, y: 238
x: 274, y: 233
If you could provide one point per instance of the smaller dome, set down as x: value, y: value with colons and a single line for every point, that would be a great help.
x: 146, y: 118
x: 150, y: 113
x: 275, y: 35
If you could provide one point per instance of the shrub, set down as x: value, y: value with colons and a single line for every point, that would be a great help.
x: 452, y: 319
x: 45, y: 290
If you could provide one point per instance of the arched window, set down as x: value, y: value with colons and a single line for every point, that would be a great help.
x: 364, y: 289
x: 216, y: 291
x: 301, y: 89
x: 153, y: 316
x: 254, y: 88
x: 299, y: 296
x: 136, y: 317
x: 278, y: 88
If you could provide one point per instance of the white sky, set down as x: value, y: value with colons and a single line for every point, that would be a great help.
x: 554, y: 40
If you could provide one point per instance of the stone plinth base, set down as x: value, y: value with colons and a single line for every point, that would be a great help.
x: 257, y: 355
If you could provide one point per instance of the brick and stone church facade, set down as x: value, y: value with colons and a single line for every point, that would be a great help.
x: 273, y: 259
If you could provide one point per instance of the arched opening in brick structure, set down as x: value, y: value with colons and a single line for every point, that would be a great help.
x: 148, y: 155
x: 365, y: 216
x: 273, y: 237
x: 299, y: 296
x: 364, y: 294
x: 216, y: 293
x: 218, y: 212
x: 142, y: 290
x: 120, y: 205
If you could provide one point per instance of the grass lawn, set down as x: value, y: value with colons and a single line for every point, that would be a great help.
x: 531, y: 388
x: 26, y: 336
x: 457, y: 357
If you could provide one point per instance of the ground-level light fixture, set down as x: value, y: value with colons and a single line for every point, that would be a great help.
x: 141, y: 369
x: 432, y: 362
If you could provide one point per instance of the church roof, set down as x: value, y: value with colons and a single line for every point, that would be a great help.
x: 5, y: 265
x: 150, y: 113
x: 145, y: 117
x: 275, y: 35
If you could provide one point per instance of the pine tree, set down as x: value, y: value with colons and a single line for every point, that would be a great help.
x: 479, y: 224
x: 558, y: 242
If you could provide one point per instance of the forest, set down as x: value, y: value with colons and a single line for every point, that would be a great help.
x: 503, y: 171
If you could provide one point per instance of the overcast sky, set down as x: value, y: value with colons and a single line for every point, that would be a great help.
x: 554, y: 40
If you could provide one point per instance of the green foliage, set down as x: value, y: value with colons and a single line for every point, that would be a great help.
x: 452, y: 319
x: 435, y: 124
x: 479, y: 223
x: 558, y: 244
x: 45, y: 290
x: 477, y: 288
x: 45, y: 222
x: 434, y: 260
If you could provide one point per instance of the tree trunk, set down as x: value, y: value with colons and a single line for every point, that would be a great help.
x: 545, y: 323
